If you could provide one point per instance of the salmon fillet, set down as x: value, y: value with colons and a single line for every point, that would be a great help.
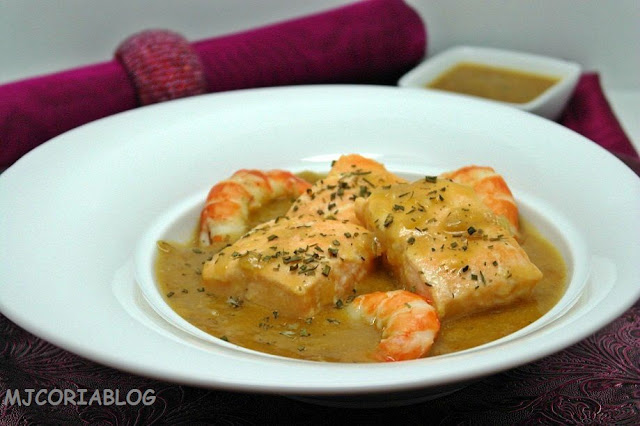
x: 444, y: 243
x: 293, y: 266
x: 351, y: 177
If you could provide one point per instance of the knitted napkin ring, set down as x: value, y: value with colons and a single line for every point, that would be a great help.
x: 162, y: 66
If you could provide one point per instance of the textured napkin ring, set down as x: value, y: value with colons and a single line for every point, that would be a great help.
x: 162, y: 66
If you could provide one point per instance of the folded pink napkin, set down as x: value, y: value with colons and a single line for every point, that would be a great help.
x: 589, y: 113
x: 372, y: 42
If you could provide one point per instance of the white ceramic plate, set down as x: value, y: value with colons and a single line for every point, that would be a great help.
x: 76, y: 209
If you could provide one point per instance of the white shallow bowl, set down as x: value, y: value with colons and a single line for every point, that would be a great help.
x: 107, y: 191
x: 548, y: 104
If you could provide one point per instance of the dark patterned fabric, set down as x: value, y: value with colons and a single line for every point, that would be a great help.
x: 596, y: 381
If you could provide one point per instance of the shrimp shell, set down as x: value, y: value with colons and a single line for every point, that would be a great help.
x: 492, y: 190
x: 408, y: 322
x: 226, y: 212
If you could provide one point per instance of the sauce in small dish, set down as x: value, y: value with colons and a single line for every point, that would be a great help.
x: 537, y: 84
x: 497, y: 83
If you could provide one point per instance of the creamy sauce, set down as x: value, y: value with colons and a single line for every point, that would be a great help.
x: 331, y: 335
x: 501, y: 84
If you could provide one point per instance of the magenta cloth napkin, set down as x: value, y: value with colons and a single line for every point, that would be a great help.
x: 589, y: 113
x: 372, y: 42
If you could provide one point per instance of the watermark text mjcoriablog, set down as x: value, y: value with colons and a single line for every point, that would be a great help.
x: 27, y: 397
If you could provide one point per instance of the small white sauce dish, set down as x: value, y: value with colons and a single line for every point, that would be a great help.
x: 548, y: 104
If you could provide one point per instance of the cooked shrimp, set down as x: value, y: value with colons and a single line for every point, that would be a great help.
x: 408, y: 322
x: 226, y: 211
x: 492, y: 189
